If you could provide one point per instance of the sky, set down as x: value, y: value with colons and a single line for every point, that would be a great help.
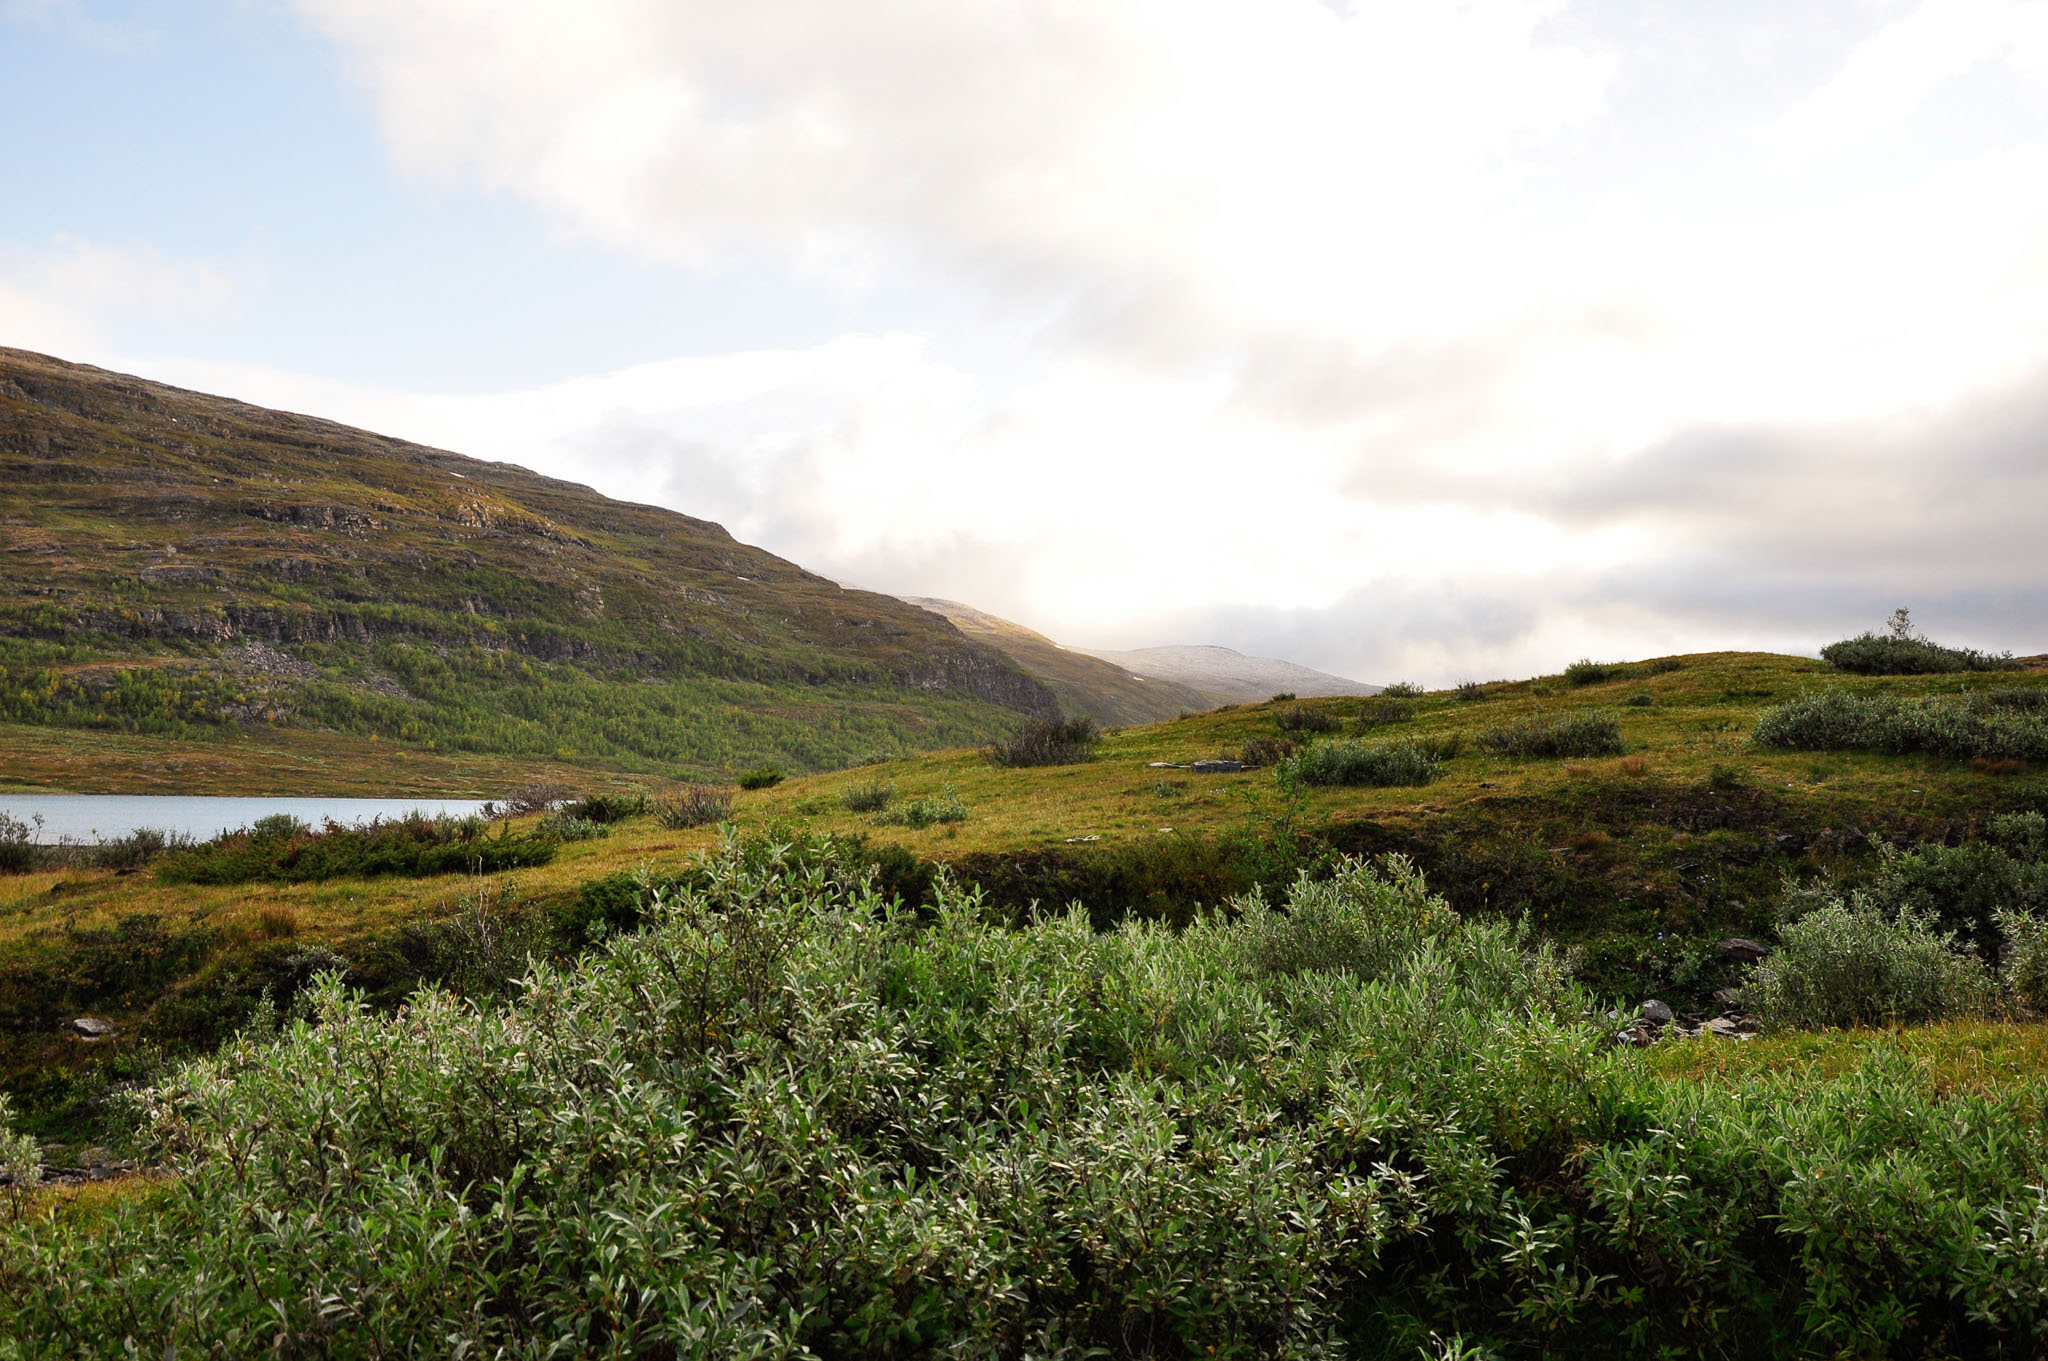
x: 1429, y: 341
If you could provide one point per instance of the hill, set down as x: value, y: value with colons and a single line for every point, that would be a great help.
x: 1085, y: 684
x: 1228, y: 677
x: 182, y: 568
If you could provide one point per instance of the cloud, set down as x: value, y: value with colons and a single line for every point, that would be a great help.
x: 61, y: 298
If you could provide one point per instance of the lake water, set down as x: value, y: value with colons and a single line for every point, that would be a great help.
x: 100, y: 817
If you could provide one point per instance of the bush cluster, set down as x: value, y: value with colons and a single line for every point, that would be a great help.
x: 760, y: 777
x: 1265, y: 751
x: 566, y: 826
x: 789, y: 1120
x: 1048, y: 742
x: 1380, y: 712
x: 926, y: 811
x: 1348, y: 762
x: 1586, y: 671
x: 1876, y: 654
x: 1297, y: 719
x: 867, y: 796
x: 23, y: 851
x: 1565, y: 735
x: 606, y: 809
x: 697, y: 805
x: 1958, y: 728
x: 281, y: 849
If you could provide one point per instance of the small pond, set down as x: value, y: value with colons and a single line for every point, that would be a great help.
x: 103, y: 817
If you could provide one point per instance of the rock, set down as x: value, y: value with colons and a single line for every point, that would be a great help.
x: 1744, y: 951
x: 1637, y: 1036
x: 1218, y: 767
x: 1724, y: 1028
x: 92, y: 1027
x: 1164, y: 765
x: 1726, y: 997
x: 1656, y: 1012
x: 96, y: 1157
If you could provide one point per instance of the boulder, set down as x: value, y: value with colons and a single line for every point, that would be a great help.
x: 1744, y: 951
x: 92, y: 1027
x: 1656, y: 1012
x: 1218, y: 767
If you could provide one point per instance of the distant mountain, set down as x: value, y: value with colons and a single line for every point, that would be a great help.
x: 192, y: 567
x: 1084, y: 684
x: 1229, y: 677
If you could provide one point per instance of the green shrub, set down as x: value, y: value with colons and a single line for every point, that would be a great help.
x: 786, y: 1118
x: 1472, y: 692
x: 1588, y: 672
x: 1565, y: 735
x: 1961, y: 729
x: 606, y: 809
x: 1048, y: 742
x: 1346, y: 762
x: 1871, y: 654
x: 21, y: 1160
x: 19, y: 851
x: 281, y: 849
x: 697, y: 805
x: 1848, y: 962
x: 867, y: 796
x: 1264, y: 751
x: 1380, y: 712
x: 1296, y: 719
x: 760, y: 777
x: 2023, y: 965
x: 1640, y: 700
x: 926, y: 811
x: 565, y: 826
x: 1401, y: 690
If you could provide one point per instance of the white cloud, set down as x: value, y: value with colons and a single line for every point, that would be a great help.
x: 64, y: 298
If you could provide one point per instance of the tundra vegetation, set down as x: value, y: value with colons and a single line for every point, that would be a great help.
x: 1116, y: 1063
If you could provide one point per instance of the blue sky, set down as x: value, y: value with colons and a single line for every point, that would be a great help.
x: 1436, y: 341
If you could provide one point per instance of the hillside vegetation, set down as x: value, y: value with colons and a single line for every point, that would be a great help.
x: 189, y: 569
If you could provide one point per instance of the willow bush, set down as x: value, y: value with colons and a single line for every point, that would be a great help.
x: 791, y: 1119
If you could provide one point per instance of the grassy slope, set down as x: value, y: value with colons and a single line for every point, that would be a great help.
x: 1086, y: 685
x: 185, y: 567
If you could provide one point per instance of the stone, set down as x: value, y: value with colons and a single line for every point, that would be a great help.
x: 1723, y: 1028
x: 1218, y: 767
x: 92, y: 1027
x: 1656, y: 1012
x: 1165, y: 765
x: 1744, y: 951
x: 1726, y: 997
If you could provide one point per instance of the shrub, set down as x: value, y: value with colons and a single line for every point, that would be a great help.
x: 927, y: 811
x: 1588, y: 672
x: 606, y: 809
x: 1346, y: 762
x: 19, y: 851
x: 760, y: 777
x: 538, y: 796
x: 1640, y: 700
x: 565, y: 826
x: 1848, y: 962
x: 1305, y: 718
x: 1264, y: 751
x: 1401, y: 690
x: 696, y: 806
x: 1381, y: 712
x: 273, y: 851
x: 1565, y: 735
x: 1841, y: 720
x: 1283, y: 696
x: 21, y: 1160
x: 867, y: 796
x: 1472, y: 692
x: 2023, y: 964
x: 1048, y: 742
x: 1900, y: 651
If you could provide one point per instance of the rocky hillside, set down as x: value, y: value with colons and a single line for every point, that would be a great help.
x: 1225, y: 676
x: 174, y: 564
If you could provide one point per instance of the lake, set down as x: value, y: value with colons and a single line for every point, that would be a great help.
x: 101, y: 817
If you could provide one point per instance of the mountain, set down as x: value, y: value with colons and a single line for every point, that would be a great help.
x: 1084, y: 684
x: 1228, y: 677
x: 186, y: 566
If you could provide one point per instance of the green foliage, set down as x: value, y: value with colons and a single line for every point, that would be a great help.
x: 1843, y: 720
x: 926, y: 811
x: 607, y: 809
x: 21, y: 1161
x: 566, y: 826
x: 1640, y: 700
x: 698, y: 805
x: 1562, y: 735
x: 1347, y: 762
x: 1588, y: 672
x: 788, y: 1119
x: 867, y: 796
x: 1264, y: 751
x: 1380, y: 712
x: 1047, y: 742
x: 760, y: 777
x: 280, y: 849
x: 1899, y: 653
x: 1472, y: 692
x: 1297, y: 719
x: 1401, y: 690
x: 1850, y: 962
x: 22, y: 851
